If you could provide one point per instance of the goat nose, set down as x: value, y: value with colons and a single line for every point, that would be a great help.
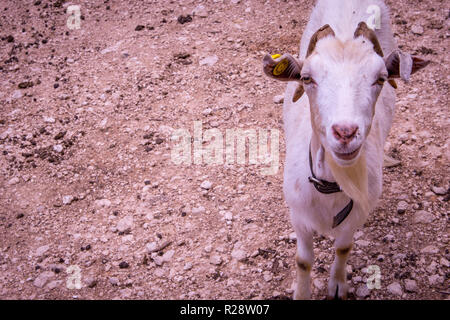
x: 344, y: 133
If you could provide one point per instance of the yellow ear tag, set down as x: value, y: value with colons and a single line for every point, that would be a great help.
x: 281, y: 67
x: 276, y: 56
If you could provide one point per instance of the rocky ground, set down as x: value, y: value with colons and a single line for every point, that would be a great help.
x: 89, y: 191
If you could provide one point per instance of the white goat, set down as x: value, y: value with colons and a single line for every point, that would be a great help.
x: 336, y: 132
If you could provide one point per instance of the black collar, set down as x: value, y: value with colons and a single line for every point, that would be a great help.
x: 327, y: 187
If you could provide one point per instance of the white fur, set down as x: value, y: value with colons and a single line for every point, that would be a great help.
x: 344, y: 94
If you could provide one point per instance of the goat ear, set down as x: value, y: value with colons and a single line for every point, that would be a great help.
x: 403, y: 65
x: 283, y: 68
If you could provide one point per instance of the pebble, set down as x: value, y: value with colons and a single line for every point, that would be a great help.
x: 200, y: 11
x: 210, y: 61
x: 49, y: 120
x: 435, y: 280
x: 58, y: 148
x: 216, y: 260
x: 187, y: 266
x: 228, y: 216
x: 402, y: 206
x: 416, y: 29
x: 114, y: 281
x: 278, y: 99
x: 238, y: 254
x: 168, y: 255
x: 362, y: 291
x: 206, y: 185
x: 410, y: 285
x: 67, y: 199
x: 318, y: 284
x: 17, y: 94
x: 395, y: 288
x: 430, y: 250
x: 125, y: 224
x: 43, y: 278
x: 42, y: 250
x: 102, y: 203
x: 423, y: 217
x: 198, y: 210
x: 13, y: 181
x: 54, y: 284
x: 440, y: 191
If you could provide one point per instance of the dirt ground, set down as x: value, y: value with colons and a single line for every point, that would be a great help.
x: 89, y: 190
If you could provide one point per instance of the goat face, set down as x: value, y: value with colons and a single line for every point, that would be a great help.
x: 343, y: 80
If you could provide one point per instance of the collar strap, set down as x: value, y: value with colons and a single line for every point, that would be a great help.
x: 327, y: 187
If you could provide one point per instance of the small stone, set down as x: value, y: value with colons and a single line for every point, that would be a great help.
x: 206, y: 185
x: 430, y: 250
x: 103, y: 203
x: 210, y: 61
x: 278, y: 99
x: 410, y: 285
x: 440, y: 191
x: 54, y: 284
x: 423, y: 217
x: 318, y: 284
x: 238, y: 254
x: 187, y: 266
x: 151, y: 247
x: 58, y: 148
x: 91, y: 282
x: 123, y: 265
x: 42, y: 250
x: 168, y: 255
x: 267, y: 276
x: 362, y: 243
x: 362, y: 291
x: 435, y: 280
x: 125, y: 224
x: 199, y: 210
x: 401, y: 207
x: 200, y: 11
x: 395, y: 288
x: 139, y: 27
x: 17, y: 94
x: 216, y: 260
x: 67, y: 199
x: 114, y: 281
x: 13, y: 181
x: 43, y: 278
x: 293, y: 236
x: 207, y: 112
x: 416, y: 29
x: 228, y: 216
x: 49, y: 120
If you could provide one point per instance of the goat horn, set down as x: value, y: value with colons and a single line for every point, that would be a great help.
x: 366, y: 32
x: 323, y: 32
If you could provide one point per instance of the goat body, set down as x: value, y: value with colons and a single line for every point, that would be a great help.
x: 361, y: 181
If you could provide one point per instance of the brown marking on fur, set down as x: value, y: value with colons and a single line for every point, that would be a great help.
x: 302, y: 265
x: 343, y: 251
x: 298, y: 92
x: 323, y: 32
x: 366, y: 32
x: 393, y: 83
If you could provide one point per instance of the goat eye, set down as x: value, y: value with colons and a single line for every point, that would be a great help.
x: 381, y: 81
x: 307, y: 79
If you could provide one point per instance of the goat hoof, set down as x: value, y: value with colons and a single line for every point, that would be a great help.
x: 337, y: 291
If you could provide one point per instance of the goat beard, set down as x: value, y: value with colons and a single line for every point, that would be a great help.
x: 353, y: 180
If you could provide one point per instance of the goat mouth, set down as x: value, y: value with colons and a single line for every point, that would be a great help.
x: 348, y: 156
